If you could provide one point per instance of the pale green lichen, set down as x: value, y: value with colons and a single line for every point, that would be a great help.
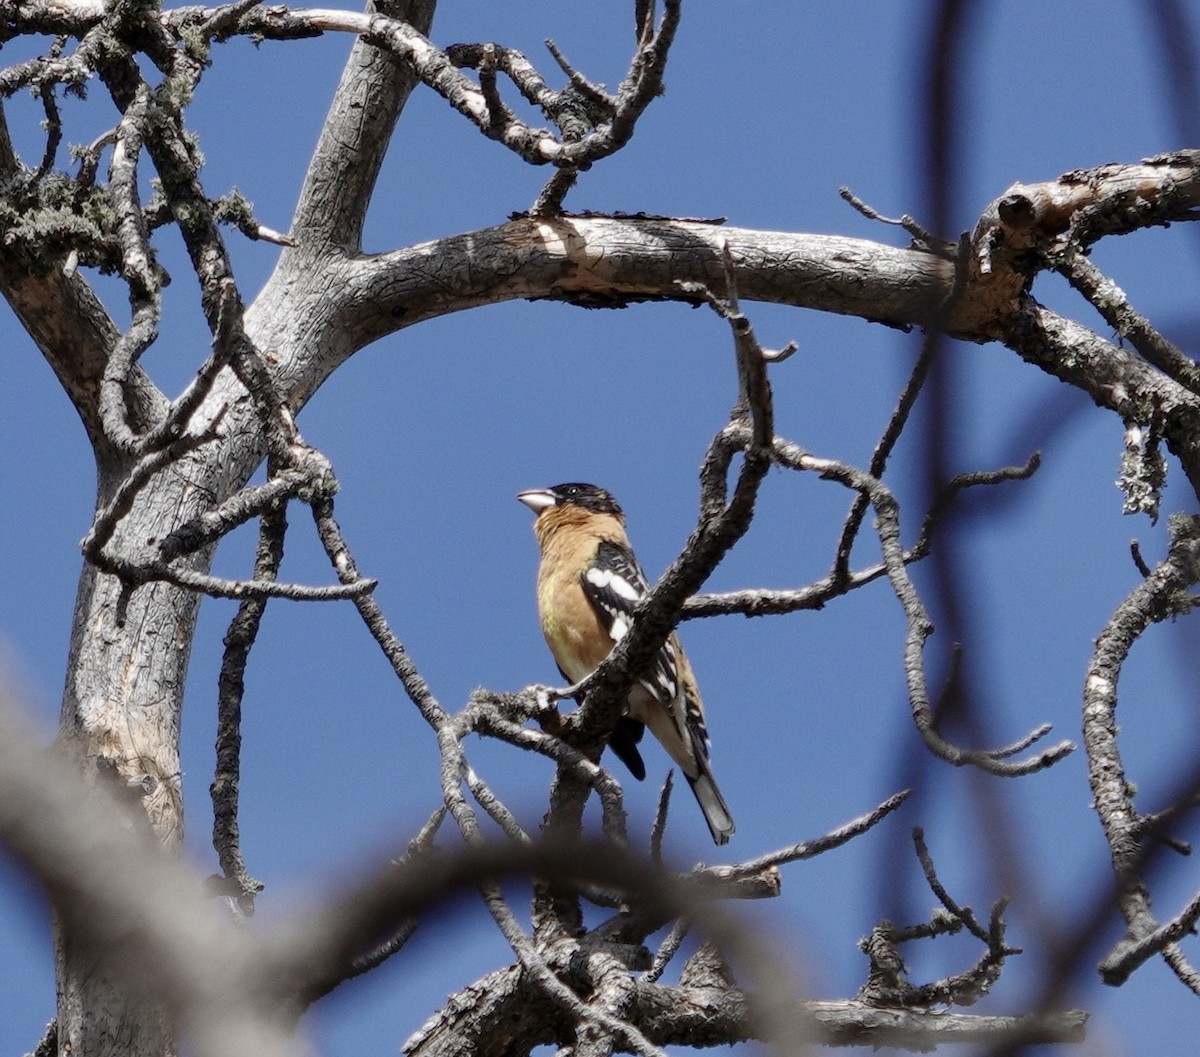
x: 1143, y: 474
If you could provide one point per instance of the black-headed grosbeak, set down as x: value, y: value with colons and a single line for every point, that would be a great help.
x: 588, y: 585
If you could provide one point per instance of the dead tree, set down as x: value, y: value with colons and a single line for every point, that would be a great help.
x: 173, y: 479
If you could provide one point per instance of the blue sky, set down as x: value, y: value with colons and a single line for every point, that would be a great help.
x: 434, y: 430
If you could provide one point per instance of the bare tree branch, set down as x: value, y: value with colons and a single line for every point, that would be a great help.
x: 1158, y: 597
x: 919, y: 626
x: 374, y: 89
x: 239, y: 640
x: 1110, y: 301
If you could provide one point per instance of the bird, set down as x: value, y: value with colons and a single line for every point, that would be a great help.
x: 588, y: 584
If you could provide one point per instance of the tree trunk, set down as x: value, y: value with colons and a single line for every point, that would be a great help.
x: 120, y: 722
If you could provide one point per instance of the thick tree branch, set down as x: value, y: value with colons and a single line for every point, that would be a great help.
x: 357, y: 131
x: 68, y: 323
x: 1030, y: 223
x: 611, y: 261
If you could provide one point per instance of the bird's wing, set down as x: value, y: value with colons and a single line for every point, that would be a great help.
x: 615, y: 583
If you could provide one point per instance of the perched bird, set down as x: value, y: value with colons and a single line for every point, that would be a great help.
x: 588, y: 585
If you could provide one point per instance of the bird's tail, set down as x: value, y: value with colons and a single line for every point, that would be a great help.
x: 712, y: 803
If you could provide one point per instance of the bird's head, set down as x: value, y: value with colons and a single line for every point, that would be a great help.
x: 585, y: 496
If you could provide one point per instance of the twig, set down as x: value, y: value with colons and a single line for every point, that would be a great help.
x: 494, y: 807
x: 137, y: 270
x: 244, y: 505
x: 922, y: 237
x: 963, y: 914
x: 919, y: 626
x: 974, y: 479
x: 1129, y: 955
x: 1158, y: 597
x: 667, y: 950
x: 239, y: 640
x: 181, y: 411
x: 344, y: 565
x: 592, y: 92
x: 835, y: 838
x: 1135, y: 552
x: 53, y: 120
x: 514, y: 65
x: 137, y: 573
x: 607, y: 788
x: 757, y: 878
x: 887, y: 984
x: 1111, y: 302
x: 109, y: 517
x: 881, y: 454
x: 659, y: 829
x: 1182, y: 968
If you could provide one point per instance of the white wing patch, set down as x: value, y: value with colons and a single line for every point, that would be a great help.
x: 615, y: 595
x: 615, y: 584
x: 609, y: 579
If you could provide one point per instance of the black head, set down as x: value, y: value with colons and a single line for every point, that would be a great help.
x: 575, y: 493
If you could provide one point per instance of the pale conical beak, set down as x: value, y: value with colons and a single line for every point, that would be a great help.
x: 537, y: 499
